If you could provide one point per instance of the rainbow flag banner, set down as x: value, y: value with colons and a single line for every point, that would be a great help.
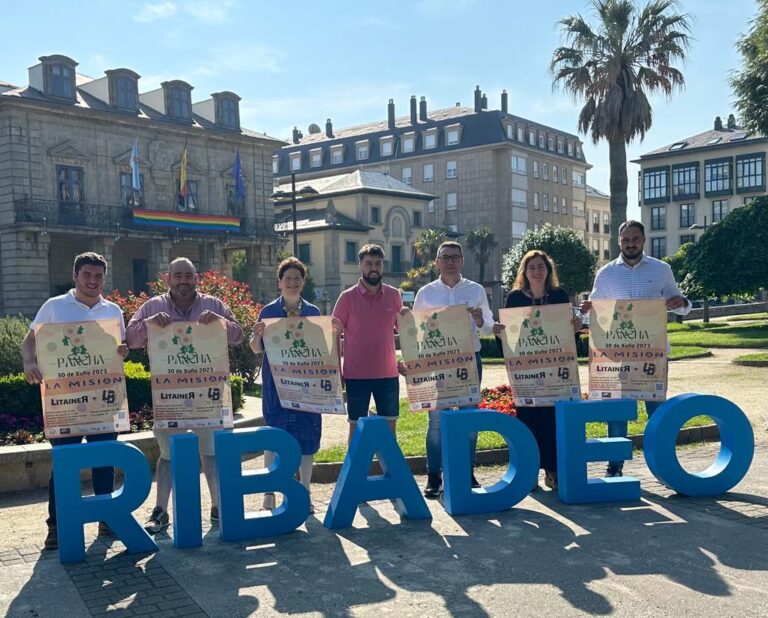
x: 185, y: 221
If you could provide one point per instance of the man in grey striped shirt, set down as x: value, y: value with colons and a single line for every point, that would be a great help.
x: 635, y: 275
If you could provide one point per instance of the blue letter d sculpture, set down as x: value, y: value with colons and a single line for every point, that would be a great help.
x: 521, y: 474
x: 73, y: 510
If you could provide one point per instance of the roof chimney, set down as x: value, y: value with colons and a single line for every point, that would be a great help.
x: 504, y: 101
x: 484, y: 102
x: 413, y: 110
x: 391, y: 114
x: 328, y: 128
x: 731, y: 121
x: 423, y: 109
x: 296, y: 135
x: 478, y: 96
x: 718, y: 124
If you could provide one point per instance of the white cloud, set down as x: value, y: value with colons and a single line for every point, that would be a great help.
x: 209, y: 11
x: 241, y: 59
x: 154, y: 12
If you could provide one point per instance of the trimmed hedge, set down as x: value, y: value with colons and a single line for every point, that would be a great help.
x: 13, y: 329
x: 22, y: 400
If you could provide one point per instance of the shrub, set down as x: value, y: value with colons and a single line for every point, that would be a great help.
x: 236, y: 295
x: 13, y: 329
x: 490, y: 348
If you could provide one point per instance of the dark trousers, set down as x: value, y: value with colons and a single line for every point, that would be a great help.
x: 541, y: 422
x: 103, y: 479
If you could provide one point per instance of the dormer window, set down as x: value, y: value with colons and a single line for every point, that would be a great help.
x: 227, y: 110
x: 337, y: 154
x: 316, y: 157
x: 59, y: 76
x: 123, y: 90
x: 409, y: 142
x: 295, y: 161
x: 452, y: 135
x: 178, y: 101
x: 430, y: 139
x: 362, y: 150
x: 386, y: 146
x: 275, y: 164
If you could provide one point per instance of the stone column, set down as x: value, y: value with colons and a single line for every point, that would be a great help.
x: 261, y: 279
x: 159, y: 258
x: 104, y: 245
x: 26, y: 281
x: 210, y: 256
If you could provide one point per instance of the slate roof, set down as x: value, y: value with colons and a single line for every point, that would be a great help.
x: 316, y: 219
x: 704, y: 141
x: 85, y: 100
x: 358, y: 180
x: 597, y: 193
x: 482, y: 128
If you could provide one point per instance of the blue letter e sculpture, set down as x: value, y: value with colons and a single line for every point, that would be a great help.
x: 115, y: 509
x: 373, y: 436
x: 573, y: 452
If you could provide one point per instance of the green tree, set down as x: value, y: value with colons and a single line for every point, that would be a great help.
x: 731, y: 257
x: 481, y: 243
x: 689, y: 284
x: 613, y: 66
x: 750, y: 84
x: 425, y: 246
x: 240, y: 266
x: 575, y: 262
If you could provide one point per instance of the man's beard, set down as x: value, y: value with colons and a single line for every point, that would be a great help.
x: 372, y: 278
x: 633, y: 256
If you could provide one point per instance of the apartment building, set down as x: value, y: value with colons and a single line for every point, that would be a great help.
x: 693, y: 183
x: 97, y: 164
x: 597, y: 234
x: 486, y: 168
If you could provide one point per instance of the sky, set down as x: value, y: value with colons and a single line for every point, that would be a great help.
x: 302, y: 62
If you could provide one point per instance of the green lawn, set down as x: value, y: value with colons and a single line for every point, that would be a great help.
x: 746, y: 336
x: 748, y: 316
x: 752, y: 360
x: 412, y: 430
x: 677, y: 352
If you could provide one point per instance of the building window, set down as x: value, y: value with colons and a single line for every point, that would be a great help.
x: 519, y: 228
x: 563, y: 207
x: 717, y: 177
x: 452, y: 137
x: 125, y: 93
x: 431, y: 207
x: 315, y: 158
x: 570, y: 149
x: 532, y: 137
x: 416, y: 218
x: 550, y: 143
x: 179, y: 106
x: 545, y: 202
x: 235, y: 202
x: 686, y: 238
x: 451, y: 170
x: 188, y: 202
x: 361, y: 150
x: 545, y: 171
x: 128, y: 195
x: 658, y: 247
x: 596, y: 246
x: 61, y: 81
x: 385, y: 147
x: 535, y: 200
x: 685, y: 181
x: 408, y: 175
x: 295, y: 161
x: 69, y: 184
x: 428, y: 172
x: 656, y: 185
x: 375, y: 215
x: 535, y: 169
x: 606, y: 223
x: 578, y: 151
x: 228, y: 113
x: 337, y: 155
x: 555, y: 207
x: 542, y: 140
x: 350, y: 252
x: 606, y: 254
x: 430, y: 141
x: 578, y: 179
x: 520, y: 134
x: 451, y: 201
x: 687, y: 215
x: 659, y: 218
x: 554, y: 173
x: 409, y: 142
x: 519, y: 198
x: 560, y: 146
x: 510, y: 131
x: 719, y: 210
x: 397, y: 259
x: 305, y: 252
x: 750, y: 172
x: 564, y: 175
x: 518, y: 164
x: 275, y: 165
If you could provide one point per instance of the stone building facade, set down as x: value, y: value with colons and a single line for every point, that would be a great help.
x: 597, y: 233
x: 486, y: 168
x: 66, y: 183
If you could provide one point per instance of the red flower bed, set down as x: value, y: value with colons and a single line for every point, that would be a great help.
x: 499, y: 399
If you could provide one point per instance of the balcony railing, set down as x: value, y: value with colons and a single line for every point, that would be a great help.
x: 119, y: 219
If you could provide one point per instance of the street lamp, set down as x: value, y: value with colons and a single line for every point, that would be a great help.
x: 305, y: 191
x: 705, y: 308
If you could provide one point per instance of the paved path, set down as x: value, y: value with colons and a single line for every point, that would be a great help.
x: 663, y: 556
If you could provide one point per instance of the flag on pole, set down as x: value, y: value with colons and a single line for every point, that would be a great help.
x: 183, y: 188
x: 135, y: 177
x: 237, y: 174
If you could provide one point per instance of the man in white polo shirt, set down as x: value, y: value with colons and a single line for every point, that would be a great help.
x: 83, y: 303
x: 452, y: 289
x: 635, y: 275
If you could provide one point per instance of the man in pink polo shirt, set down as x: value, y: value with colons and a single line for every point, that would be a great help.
x: 369, y: 311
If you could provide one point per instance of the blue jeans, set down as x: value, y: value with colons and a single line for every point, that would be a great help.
x: 103, y: 479
x: 618, y: 429
x: 434, y: 442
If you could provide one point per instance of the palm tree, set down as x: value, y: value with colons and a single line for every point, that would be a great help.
x: 426, y: 249
x: 481, y: 243
x: 613, y: 67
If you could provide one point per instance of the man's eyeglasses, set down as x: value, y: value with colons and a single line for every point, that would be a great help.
x: 450, y: 258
